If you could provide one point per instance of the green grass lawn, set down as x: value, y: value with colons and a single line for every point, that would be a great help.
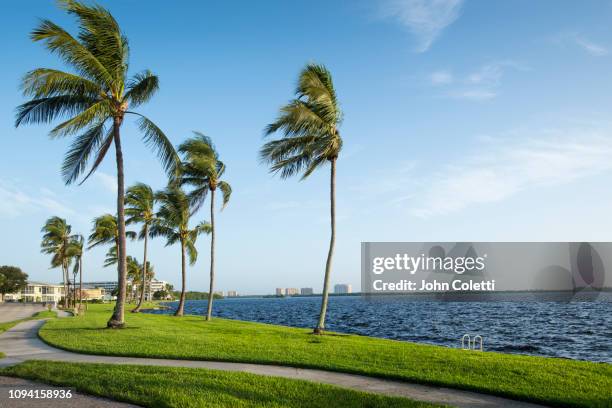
x: 552, y: 381
x: 192, y: 387
x: 40, y: 315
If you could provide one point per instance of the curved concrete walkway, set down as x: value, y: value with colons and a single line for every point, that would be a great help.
x: 21, y: 343
x: 10, y: 311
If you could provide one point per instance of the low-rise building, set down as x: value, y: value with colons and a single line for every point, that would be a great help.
x: 91, y: 294
x: 306, y: 291
x: 37, y: 292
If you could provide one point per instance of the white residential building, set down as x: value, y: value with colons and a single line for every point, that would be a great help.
x: 37, y: 292
x: 280, y: 291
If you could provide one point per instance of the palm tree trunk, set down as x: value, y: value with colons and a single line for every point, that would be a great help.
x: 181, y: 305
x: 212, y: 255
x: 144, y: 270
x: 117, y: 319
x: 66, y: 286
x: 332, y: 195
x: 81, y: 279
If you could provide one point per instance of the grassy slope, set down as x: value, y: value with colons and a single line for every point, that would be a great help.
x: 549, y: 380
x: 40, y: 315
x: 189, y: 387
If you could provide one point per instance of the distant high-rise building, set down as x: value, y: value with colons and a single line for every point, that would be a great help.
x: 292, y: 291
x: 343, y: 288
x: 280, y: 292
x: 232, y: 293
x: 306, y: 291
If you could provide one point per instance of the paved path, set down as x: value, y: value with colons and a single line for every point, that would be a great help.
x: 77, y: 400
x: 15, y: 311
x: 22, y: 343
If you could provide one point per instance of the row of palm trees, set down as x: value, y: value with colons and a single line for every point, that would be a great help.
x: 98, y: 96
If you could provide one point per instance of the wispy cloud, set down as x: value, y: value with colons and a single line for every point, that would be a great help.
x: 16, y: 201
x: 582, y: 42
x: 473, y: 94
x: 108, y: 182
x: 479, y: 85
x: 425, y: 19
x: 592, y: 48
x: 506, y: 166
x: 441, y: 77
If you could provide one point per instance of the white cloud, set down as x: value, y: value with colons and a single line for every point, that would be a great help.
x: 425, y: 19
x: 592, y: 48
x: 473, y: 94
x: 108, y: 182
x: 579, y: 40
x: 504, y: 167
x: 15, y: 202
x: 441, y: 78
x: 479, y: 85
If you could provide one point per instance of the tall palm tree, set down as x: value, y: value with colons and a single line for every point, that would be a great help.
x: 75, y: 251
x: 140, y: 202
x: 94, y: 98
x: 310, y: 138
x: 57, y: 236
x: 202, y: 169
x: 173, y: 223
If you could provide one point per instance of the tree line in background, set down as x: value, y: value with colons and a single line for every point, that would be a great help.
x: 93, y: 102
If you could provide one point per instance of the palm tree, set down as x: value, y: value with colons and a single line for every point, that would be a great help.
x: 57, y: 236
x: 105, y: 231
x: 203, y: 170
x: 140, y: 201
x: 133, y: 274
x: 309, y: 126
x: 75, y: 251
x: 95, y: 98
x: 173, y: 223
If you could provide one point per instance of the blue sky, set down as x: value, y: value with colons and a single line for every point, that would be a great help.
x: 463, y: 121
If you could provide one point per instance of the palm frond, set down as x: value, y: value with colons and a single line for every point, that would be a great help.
x: 44, y: 110
x: 226, y: 191
x: 79, y: 152
x: 59, y: 41
x: 141, y: 88
x: 45, y: 82
x: 98, y: 112
x: 157, y: 140
x: 102, y: 150
x: 192, y: 252
x: 101, y: 34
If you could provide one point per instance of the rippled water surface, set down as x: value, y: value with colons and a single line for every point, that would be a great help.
x: 511, y: 323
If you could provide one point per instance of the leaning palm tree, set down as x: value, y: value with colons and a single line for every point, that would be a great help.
x: 57, y: 236
x: 309, y: 126
x: 172, y: 223
x: 93, y: 101
x: 202, y: 169
x: 75, y: 251
x: 140, y: 202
